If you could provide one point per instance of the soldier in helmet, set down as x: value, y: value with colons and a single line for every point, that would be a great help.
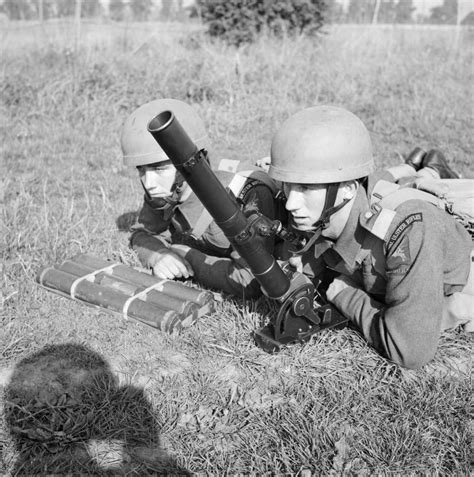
x: 174, y: 235
x: 402, y: 266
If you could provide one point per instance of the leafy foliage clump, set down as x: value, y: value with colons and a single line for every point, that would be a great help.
x: 241, y: 21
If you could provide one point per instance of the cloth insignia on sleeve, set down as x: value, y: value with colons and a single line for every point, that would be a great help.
x: 400, y: 258
x: 418, y: 217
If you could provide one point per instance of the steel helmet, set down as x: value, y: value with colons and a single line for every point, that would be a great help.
x: 139, y: 147
x: 321, y: 145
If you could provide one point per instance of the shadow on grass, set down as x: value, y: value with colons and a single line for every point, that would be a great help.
x: 67, y: 413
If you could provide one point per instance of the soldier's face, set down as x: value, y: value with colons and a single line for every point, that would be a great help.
x: 158, y: 178
x: 305, y: 203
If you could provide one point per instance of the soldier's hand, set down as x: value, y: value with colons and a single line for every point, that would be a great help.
x: 297, y: 263
x: 170, y: 265
x: 337, y: 285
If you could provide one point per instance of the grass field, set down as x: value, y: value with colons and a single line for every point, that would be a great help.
x: 86, y: 392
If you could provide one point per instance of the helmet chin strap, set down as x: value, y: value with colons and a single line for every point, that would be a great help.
x: 163, y: 203
x: 329, y: 210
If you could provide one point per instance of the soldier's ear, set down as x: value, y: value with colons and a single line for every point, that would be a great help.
x: 349, y: 189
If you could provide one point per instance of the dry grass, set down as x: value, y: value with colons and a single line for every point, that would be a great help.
x: 89, y: 393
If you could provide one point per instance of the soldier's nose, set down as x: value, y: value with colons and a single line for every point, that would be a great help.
x: 147, y: 179
x: 291, y: 201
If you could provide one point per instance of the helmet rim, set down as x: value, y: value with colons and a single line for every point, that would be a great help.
x: 138, y: 146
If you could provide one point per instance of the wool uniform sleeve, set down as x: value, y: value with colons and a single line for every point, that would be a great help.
x: 406, y: 327
x: 231, y: 275
x: 150, y: 234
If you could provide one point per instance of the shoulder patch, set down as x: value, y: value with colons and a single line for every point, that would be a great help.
x: 249, y: 185
x: 399, y: 262
x: 402, y: 226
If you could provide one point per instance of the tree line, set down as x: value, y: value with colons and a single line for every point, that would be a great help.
x: 118, y: 10
x: 358, y: 11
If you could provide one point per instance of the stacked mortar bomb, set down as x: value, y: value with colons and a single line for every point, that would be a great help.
x: 117, y: 288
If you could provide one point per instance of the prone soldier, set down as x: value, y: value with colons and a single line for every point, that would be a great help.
x: 172, y: 218
x: 397, y: 266
x: 403, y: 266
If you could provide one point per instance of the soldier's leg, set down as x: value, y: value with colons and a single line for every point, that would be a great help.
x: 424, y: 165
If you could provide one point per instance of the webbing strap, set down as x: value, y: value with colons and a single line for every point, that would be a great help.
x: 90, y: 277
x: 202, y: 223
x: 236, y: 184
x: 382, y: 223
x: 144, y: 292
x: 403, y: 195
x: 390, y: 196
x: 205, y: 219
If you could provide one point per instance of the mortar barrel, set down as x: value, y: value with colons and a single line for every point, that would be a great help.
x: 169, y: 287
x: 112, y: 300
x: 186, y: 307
